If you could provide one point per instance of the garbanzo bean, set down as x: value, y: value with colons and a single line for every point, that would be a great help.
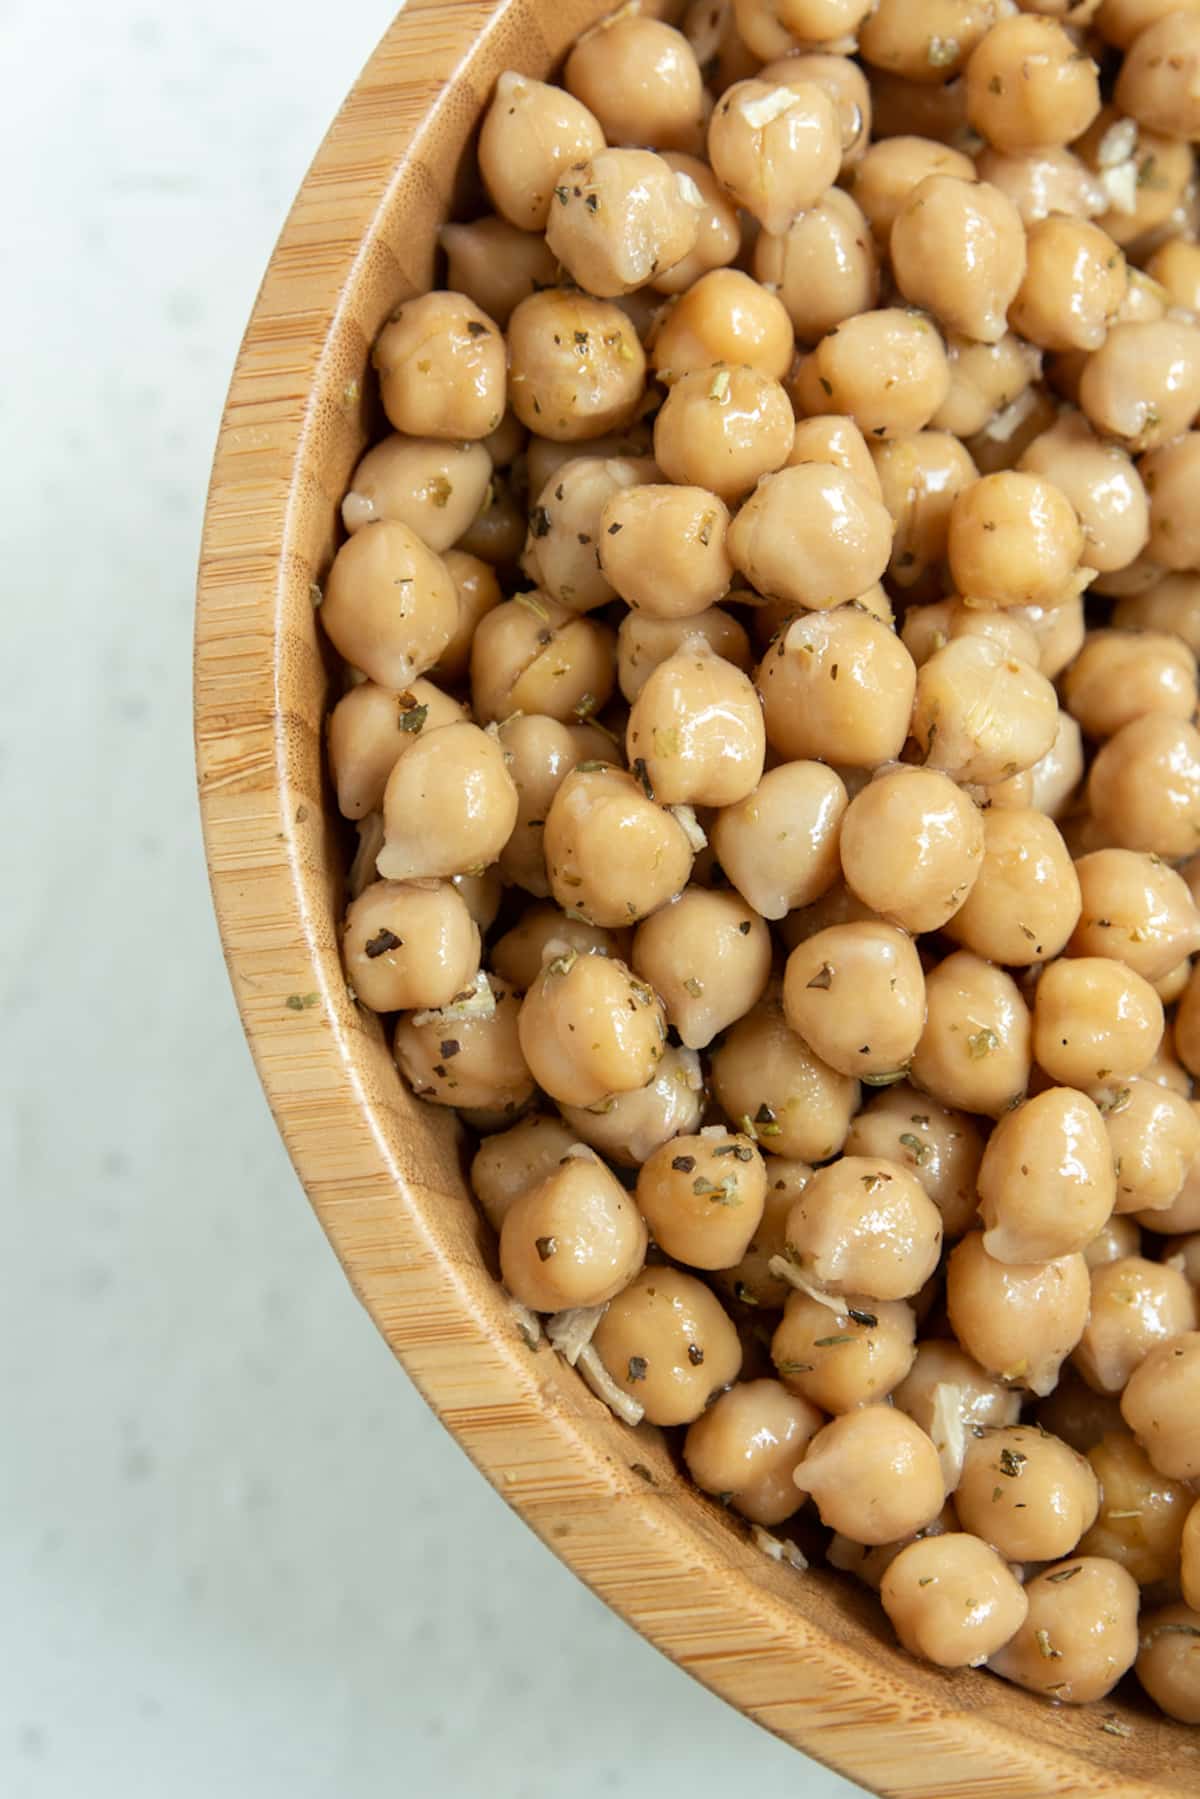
x: 941, y: 1146
x: 1120, y: 1237
x: 1080, y: 1634
x: 369, y: 730
x: 576, y: 1239
x: 751, y: 1282
x: 856, y: 993
x: 976, y: 1049
x: 773, y: 30
x: 1014, y: 540
x: 952, y: 1600
x: 1072, y: 287
x: 747, y: 1444
x: 1055, y: 779
x: 1161, y: 1405
x: 1101, y: 483
x: 576, y: 365
x: 1170, y: 475
x: 1135, y: 1305
x: 496, y: 265
x: 776, y: 149
x: 408, y: 946
x: 722, y: 429
x: 441, y: 368
x: 449, y: 805
x: 640, y: 79
x: 668, y: 1342
x: 981, y: 714
x: 1144, y: 786
x: 1020, y: 1321
x: 813, y: 535
x: 718, y: 237
x: 1175, y: 265
x: 724, y: 318
x: 873, y: 1475
x: 1119, y: 22
x: 695, y: 734
x: 533, y: 654
x: 1168, y: 1663
x: 612, y: 855
x: 847, y: 86
x: 1092, y: 1015
x: 1027, y: 1493
x: 703, y: 1196
x: 985, y: 380
x: 763, y: 1073
x: 389, y: 606
x: 708, y: 956
x: 911, y: 846
x: 1142, y: 386
x: 588, y: 1028
x: 1075, y: 1413
x: 824, y: 265
x: 837, y: 686
x: 950, y: 1396
x: 628, y: 1127
x: 1170, y: 605
x: 1028, y: 86
x: 865, y: 1225
x: 919, y: 477
x: 958, y: 249
x: 839, y: 441
x: 478, y: 591
x: 1046, y: 1182
x: 890, y: 170
x: 468, y: 1062
x: 1157, y: 81
x: 497, y: 531
x: 644, y: 641
x: 1045, y: 181
x: 541, y: 753
x: 508, y: 1163
x: 1025, y: 901
x: 530, y: 132
x: 843, y: 1353
x: 518, y: 955
x: 779, y: 845
x: 1154, y: 1135
x: 887, y: 370
x: 928, y: 47
x: 432, y: 486
x: 619, y: 217
x: 562, y: 551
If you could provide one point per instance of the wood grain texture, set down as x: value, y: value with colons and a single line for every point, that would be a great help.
x: 808, y: 1656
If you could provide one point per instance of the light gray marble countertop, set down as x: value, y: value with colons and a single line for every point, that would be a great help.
x: 238, y: 1555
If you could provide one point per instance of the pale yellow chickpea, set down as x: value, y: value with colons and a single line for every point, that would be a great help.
x: 726, y: 317
x: 441, y: 368
x: 746, y: 1445
x: 518, y: 955
x: 840, y: 442
x: 865, y: 1225
x: 952, y: 1600
x: 1142, y: 1513
x: 695, y: 733
x: 478, y: 592
x: 1020, y: 1321
x: 812, y: 535
x: 1155, y: 1138
x: 873, y: 1474
x: 640, y: 79
x: 531, y: 131
x: 951, y: 1397
x: 1161, y: 1405
x: 1190, y: 1557
x: 1170, y: 475
x: 702, y: 1197
x: 777, y: 149
x: 824, y: 266
x: 940, y: 1145
x: 562, y: 550
x: 1166, y: 1070
x: 1122, y: 675
x: 847, y: 86
x: 1170, y: 605
x: 958, y: 250
x: 1080, y: 1634
x: 765, y: 1076
x: 1028, y: 87
x: 1045, y: 181
x: 619, y: 217
x: 1056, y: 778
x: 541, y: 753
x: 449, y: 805
x: 473, y: 1063
x: 434, y: 487
x: 1135, y: 1305
x: 1014, y: 540
x: 1175, y: 265
x: 1094, y: 1020
x: 919, y: 478
x: 752, y: 1282
x: 612, y: 855
x: 955, y: 618
x: 718, y: 237
x: 1072, y: 287
x: 496, y: 264
x: 576, y: 365
x: 1120, y: 21
x: 543, y: 457
x: 369, y: 730
x: 837, y: 686
x: 1187, y: 1025
x: 723, y: 429
x: 707, y: 955
x: 887, y: 370
x: 1168, y: 1662
x: 509, y: 1162
x: 408, y: 946
x: 976, y: 1049
x: 663, y: 548
x: 644, y: 641
x: 773, y: 27
x: 1046, y: 1182
x: 926, y: 46
x: 589, y: 1028
x: 843, y: 1353
x: 856, y: 993
x: 533, y: 654
x: 1144, y: 786
x: 389, y: 606
x: 1025, y: 901
x: 576, y: 1239
x: 1142, y: 386
x: 1077, y: 1414
x: 626, y: 1128
x: 981, y: 714
x: 1102, y: 485
x: 1119, y: 1238
x: 669, y: 1344
x: 986, y: 380
x: 869, y: 1565
x: 893, y: 166
x: 779, y: 845
x: 911, y: 846
x: 1158, y: 78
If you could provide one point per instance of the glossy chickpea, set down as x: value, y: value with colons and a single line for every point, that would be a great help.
x: 981, y: 714
x: 911, y: 846
x: 892, y: 168
x: 369, y: 730
x: 588, y: 1028
x: 1080, y: 1634
x: 473, y: 1063
x: 441, y: 368
x: 541, y: 753
x: 976, y: 1049
x: 772, y: 29
x: 1144, y: 786
x: 449, y: 805
x: 543, y: 932
x: 1142, y: 386
x: 1189, y: 1572
x: 562, y: 550
x: 1187, y: 1026
x: 1056, y: 778
x: 1154, y: 1136
x: 640, y: 79
x: 952, y: 1600
x: 533, y: 654
x: 696, y: 731
x: 702, y: 1197
x: 1092, y: 1014
x: 837, y: 686
x: 726, y: 317
x: 873, y: 1475
x: 478, y: 592
x: 1119, y: 22
x: 1014, y: 539
x: 840, y: 442
x: 887, y: 370
x: 1161, y: 1406
x: 1175, y: 265
x: 644, y: 641
x: 779, y: 845
x: 544, y: 457
x: 1135, y: 1305
x: 530, y: 132
x: 843, y: 1353
x: 1072, y: 286
x: 746, y: 1445
x: 927, y: 47
x: 1168, y: 1662
x: 1028, y: 87
x: 1170, y: 475
x: 627, y: 1128
x: 958, y: 250
x: 865, y: 1225
x: 847, y: 86
x: 777, y: 149
x: 824, y: 266
x: 619, y: 217
x: 408, y: 946
x: 723, y: 429
x: 938, y: 1144
x: 1102, y: 485
x: 1019, y: 1321
x: 752, y: 1282
x: 708, y: 956
x: 1170, y: 605
x: 669, y: 1344
x: 612, y: 855
x: 576, y: 1239
x: 951, y: 1397
x: 1158, y: 78
x: 1118, y: 1238
x: 389, y: 606
x: 510, y: 1162
x: 812, y: 535
x: 1166, y: 1070
x: 1046, y: 1182
x: 576, y: 365
x: 1025, y: 901
x: 496, y: 264
x: 919, y: 478
x: 763, y: 1073
x: 434, y: 487
x: 718, y: 235
x: 856, y: 993
x: 1045, y: 181
x: 985, y: 381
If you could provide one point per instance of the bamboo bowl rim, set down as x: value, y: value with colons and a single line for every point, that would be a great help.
x: 804, y: 1655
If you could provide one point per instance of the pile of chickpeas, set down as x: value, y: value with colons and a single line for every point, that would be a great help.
x: 770, y: 635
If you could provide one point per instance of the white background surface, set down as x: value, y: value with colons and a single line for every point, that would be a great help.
x: 238, y: 1556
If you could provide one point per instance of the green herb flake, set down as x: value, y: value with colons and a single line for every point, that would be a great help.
x: 1011, y: 1462
x: 683, y: 1164
x: 413, y: 720
x: 546, y: 1247
x: 982, y: 1043
x: 637, y: 1367
x: 304, y: 1002
x: 868, y: 1320
x: 695, y: 1355
x: 823, y: 979
x: 831, y: 1342
x: 921, y: 1152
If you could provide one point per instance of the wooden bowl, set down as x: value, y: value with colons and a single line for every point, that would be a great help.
x: 809, y: 1656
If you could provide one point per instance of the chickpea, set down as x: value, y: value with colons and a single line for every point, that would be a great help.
x: 434, y: 487
x: 824, y: 266
x: 845, y: 1353
x: 1156, y: 84
x: 751, y: 1281
x: 919, y: 477
x: 934, y: 625
x: 1025, y: 901
x: 854, y: 981
x: 1080, y: 1634
x: 911, y: 846
x: 940, y: 1145
x: 764, y: 1073
x: 576, y: 1239
x: 576, y: 365
x: 1014, y: 539
x: 985, y: 381
x: 840, y: 442
x: 708, y: 956
x: 1168, y: 1662
x: 1120, y: 21
x: 1155, y: 1138
x: 746, y: 1445
x: 711, y: 28
x: 722, y: 429
x: 695, y: 734
x: 509, y: 1163
x: 975, y: 1051
x: 837, y: 686
x: 873, y: 1474
x: 541, y: 753
x: 1102, y: 485
x: 1120, y: 1237
x: 449, y: 806
x: 588, y: 1028
x: 811, y: 535
x: 441, y: 368
x: 775, y: 29
x: 1119, y: 676
x: 533, y: 654
x: 1190, y: 1557
x: 779, y: 845
x: 776, y: 149
x: 981, y: 714
x: 1136, y: 1304
x: 1170, y: 605
x: 470, y: 1062
x: 1161, y: 1405
x: 1056, y: 778
x: 369, y: 730
x: 530, y: 132
x: 1175, y: 265
x: 667, y: 1341
x: 619, y: 217
x: 478, y: 592
x: 719, y: 236
x: 1166, y: 1070
x: 703, y: 1197
x: 640, y: 79
x: 612, y: 855
x: 952, y: 1600
x: 1170, y: 476
x: 1019, y: 1321
x: 950, y: 1396
x: 870, y: 1565
x: 496, y: 265
x: 1072, y: 287
x: 958, y: 249
x: 562, y: 551
x: 543, y: 457
x: 865, y: 1225
x: 628, y: 1127
x: 1144, y: 786
x: 1028, y: 87
x: 1042, y: 182
x: 1187, y: 1026
x: 927, y: 47
x: 892, y: 168
x: 724, y: 318
x: 1142, y: 1513
x: 887, y: 370
x: 644, y: 642
x: 389, y: 606
x: 1046, y: 1183
x: 409, y: 946
x: 1094, y: 1020
x: 1142, y: 386
x: 518, y: 955
x: 847, y: 86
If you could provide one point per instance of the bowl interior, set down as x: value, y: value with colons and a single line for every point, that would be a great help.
x: 808, y: 1655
